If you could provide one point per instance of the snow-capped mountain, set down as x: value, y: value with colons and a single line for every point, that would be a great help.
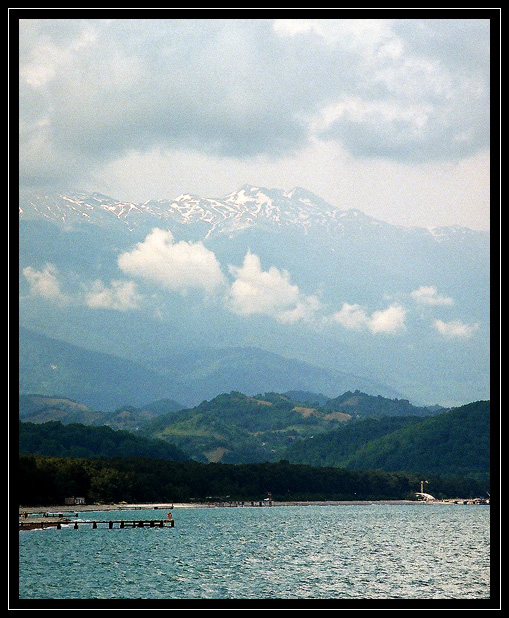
x: 239, y: 210
x: 342, y: 267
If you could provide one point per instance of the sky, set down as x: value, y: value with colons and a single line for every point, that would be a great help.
x: 390, y: 116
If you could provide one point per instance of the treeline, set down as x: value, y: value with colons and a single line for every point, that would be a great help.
x: 336, y: 448
x: 45, y: 481
x: 376, y: 405
x: 77, y: 440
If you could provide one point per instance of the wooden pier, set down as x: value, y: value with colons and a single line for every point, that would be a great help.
x: 121, y: 523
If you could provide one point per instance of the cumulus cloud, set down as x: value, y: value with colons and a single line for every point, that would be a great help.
x: 45, y: 283
x: 121, y: 295
x: 356, y: 317
x: 182, y: 266
x: 178, y: 266
x: 353, y: 317
x: 390, y: 320
x: 455, y: 329
x: 269, y: 292
x: 428, y: 295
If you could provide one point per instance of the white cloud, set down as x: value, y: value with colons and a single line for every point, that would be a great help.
x: 353, y: 317
x: 356, y: 317
x: 421, y: 87
x: 389, y: 113
x: 455, y: 329
x: 362, y: 35
x: 256, y: 291
x: 121, y: 295
x: 305, y: 309
x: 428, y: 295
x: 45, y: 283
x: 177, y: 266
x: 391, y: 320
x: 47, y: 57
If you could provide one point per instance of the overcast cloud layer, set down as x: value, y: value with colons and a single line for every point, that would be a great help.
x: 350, y: 109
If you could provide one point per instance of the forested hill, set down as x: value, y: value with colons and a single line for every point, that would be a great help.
x: 362, y: 404
x: 76, y: 440
x: 235, y: 428
x: 455, y: 442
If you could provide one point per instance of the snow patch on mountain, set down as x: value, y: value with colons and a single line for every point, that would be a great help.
x: 244, y: 208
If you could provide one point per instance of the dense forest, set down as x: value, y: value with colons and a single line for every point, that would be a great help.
x: 236, y: 428
x: 295, y: 450
x: 231, y: 427
x: 77, y: 440
x: 49, y: 480
x: 455, y: 442
x: 452, y: 443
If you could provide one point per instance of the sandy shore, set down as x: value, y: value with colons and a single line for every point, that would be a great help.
x: 54, y: 511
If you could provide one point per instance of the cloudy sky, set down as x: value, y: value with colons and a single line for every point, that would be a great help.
x: 391, y: 116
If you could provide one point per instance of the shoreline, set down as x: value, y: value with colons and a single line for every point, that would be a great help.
x: 34, y: 517
x: 53, y: 510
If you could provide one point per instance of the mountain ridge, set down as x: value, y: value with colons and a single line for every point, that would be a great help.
x: 52, y: 367
x: 295, y: 207
x: 328, y: 264
x: 369, y: 433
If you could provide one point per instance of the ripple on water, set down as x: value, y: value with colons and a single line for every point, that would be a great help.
x: 410, y: 551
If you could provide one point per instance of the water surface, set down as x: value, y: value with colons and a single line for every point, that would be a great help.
x: 316, y: 552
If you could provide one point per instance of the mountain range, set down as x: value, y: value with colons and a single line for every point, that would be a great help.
x: 229, y: 428
x: 261, y: 290
x: 105, y: 382
x: 354, y: 430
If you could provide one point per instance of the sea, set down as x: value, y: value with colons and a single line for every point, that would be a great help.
x: 372, y: 551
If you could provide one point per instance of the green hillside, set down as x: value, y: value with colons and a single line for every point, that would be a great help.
x: 335, y: 448
x: 455, y: 442
x: 42, y: 409
x: 76, y: 440
x: 235, y: 428
x: 355, y: 431
x: 362, y: 404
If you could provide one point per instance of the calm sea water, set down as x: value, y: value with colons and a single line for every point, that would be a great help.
x: 316, y: 552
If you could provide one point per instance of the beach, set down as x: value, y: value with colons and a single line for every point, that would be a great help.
x: 123, y: 506
x: 46, y: 516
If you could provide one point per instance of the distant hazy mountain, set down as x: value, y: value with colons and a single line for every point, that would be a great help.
x: 106, y: 382
x: 338, y: 262
x: 102, y: 381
